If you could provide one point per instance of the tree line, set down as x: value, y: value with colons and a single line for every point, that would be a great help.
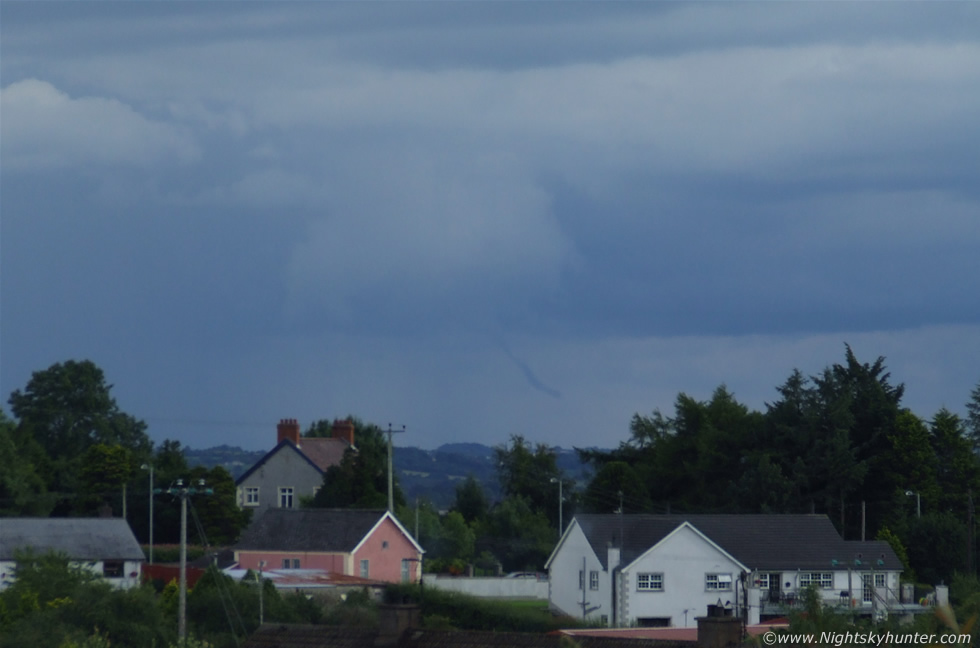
x: 839, y: 443
x: 71, y: 451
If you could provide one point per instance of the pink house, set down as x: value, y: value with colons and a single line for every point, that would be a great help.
x: 351, y: 542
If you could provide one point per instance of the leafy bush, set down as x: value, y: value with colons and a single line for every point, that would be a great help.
x: 472, y: 613
x: 171, y: 553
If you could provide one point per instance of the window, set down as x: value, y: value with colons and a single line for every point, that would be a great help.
x: 581, y: 579
x: 718, y: 582
x: 112, y: 569
x: 653, y: 622
x: 251, y: 496
x: 365, y: 569
x: 406, y: 570
x: 593, y: 580
x: 285, y: 563
x: 286, y: 497
x: 822, y: 580
x: 867, y: 592
x: 649, y: 582
x: 762, y: 581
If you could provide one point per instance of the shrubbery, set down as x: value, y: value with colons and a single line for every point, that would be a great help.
x: 472, y: 613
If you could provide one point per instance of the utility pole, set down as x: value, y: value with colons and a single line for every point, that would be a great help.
x: 970, y: 568
x: 150, y: 468
x: 918, y: 502
x: 561, y: 506
x: 261, y: 602
x: 183, y: 492
x: 182, y: 605
x: 391, y: 481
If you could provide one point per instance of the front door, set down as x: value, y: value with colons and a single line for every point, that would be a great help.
x: 775, y: 586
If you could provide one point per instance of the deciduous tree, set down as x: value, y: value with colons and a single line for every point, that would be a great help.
x: 471, y: 501
x: 65, y: 410
x: 361, y: 479
x: 22, y: 491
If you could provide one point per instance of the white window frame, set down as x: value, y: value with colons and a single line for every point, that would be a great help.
x: 251, y: 496
x: 880, y: 586
x: 650, y: 582
x: 718, y: 582
x: 286, y: 493
x: 823, y: 580
x: 406, y: 570
x: 365, y: 571
x: 763, y: 581
x: 593, y: 580
x: 114, y: 568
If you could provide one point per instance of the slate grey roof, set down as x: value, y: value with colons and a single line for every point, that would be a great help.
x: 309, y: 529
x: 760, y: 542
x: 80, y: 538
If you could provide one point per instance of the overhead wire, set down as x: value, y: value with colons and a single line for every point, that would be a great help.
x: 224, y: 594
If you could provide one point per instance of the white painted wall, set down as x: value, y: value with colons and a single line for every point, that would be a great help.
x: 683, y: 557
x: 563, y: 582
x: 790, y: 583
x: 490, y: 587
x: 128, y: 580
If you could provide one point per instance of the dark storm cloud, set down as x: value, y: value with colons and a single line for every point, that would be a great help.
x: 317, y: 209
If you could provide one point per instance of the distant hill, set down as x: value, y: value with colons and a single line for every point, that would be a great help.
x: 427, y: 474
x: 234, y: 459
x: 477, y: 450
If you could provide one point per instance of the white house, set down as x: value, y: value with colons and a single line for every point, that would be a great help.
x: 105, y: 546
x: 664, y: 570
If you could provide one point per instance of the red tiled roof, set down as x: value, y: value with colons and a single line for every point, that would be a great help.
x: 310, y: 578
x: 323, y: 451
x: 663, y: 634
x: 667, y: 634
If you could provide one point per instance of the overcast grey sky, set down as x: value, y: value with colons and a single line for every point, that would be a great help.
x: 482, y: 219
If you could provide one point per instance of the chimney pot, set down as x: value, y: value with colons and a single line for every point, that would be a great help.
x: 343, y: 430
x: 287, y: 430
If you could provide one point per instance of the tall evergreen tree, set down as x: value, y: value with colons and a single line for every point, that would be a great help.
x: 973, y: 418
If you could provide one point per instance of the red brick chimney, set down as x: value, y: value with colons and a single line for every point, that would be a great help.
x: 288, y: 429
x: 343, y: 430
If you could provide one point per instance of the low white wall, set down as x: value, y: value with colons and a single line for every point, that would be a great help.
x: 490, y: 587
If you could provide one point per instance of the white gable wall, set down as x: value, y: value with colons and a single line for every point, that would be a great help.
x: 563, y: 577
x: 683, y: 558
